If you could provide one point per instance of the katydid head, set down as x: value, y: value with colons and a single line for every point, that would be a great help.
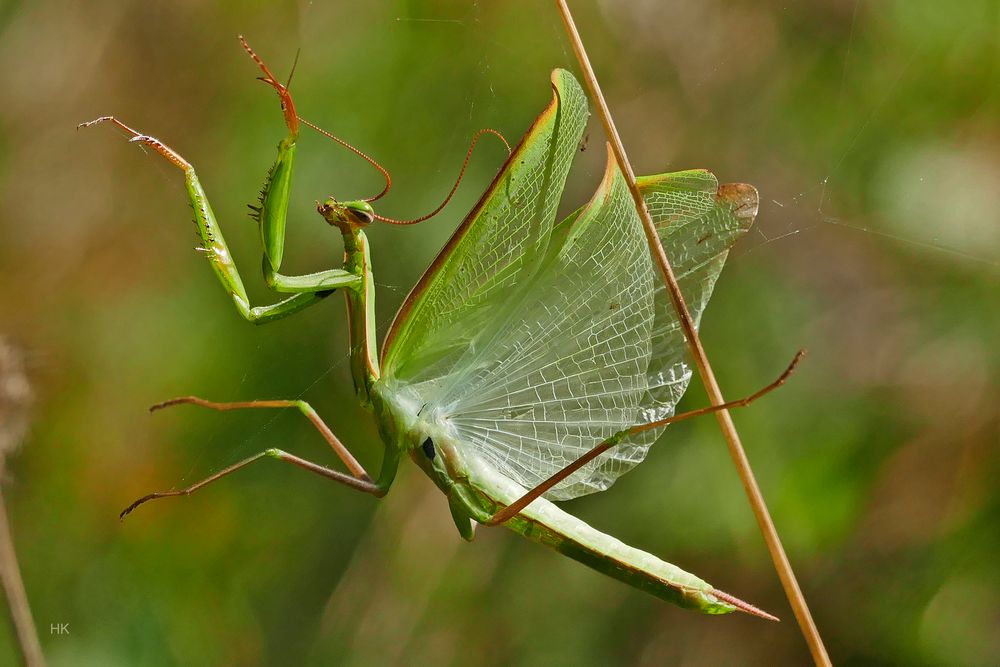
x: 437, y: 459
x: 346, y: 214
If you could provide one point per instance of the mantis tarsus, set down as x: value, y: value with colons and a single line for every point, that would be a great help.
x: 529, y: 363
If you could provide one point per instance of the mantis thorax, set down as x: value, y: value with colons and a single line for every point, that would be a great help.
x: 351, y: 218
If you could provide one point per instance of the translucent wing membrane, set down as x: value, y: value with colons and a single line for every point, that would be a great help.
x: 569, y: 369
x: 532, y: 345
x: 494, y: 251
x: 697, y: 222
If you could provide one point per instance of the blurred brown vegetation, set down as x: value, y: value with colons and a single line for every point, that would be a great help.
x: 870, y: 129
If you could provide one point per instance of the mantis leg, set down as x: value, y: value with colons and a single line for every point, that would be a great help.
x: 361, y: 485
x: 357, y: 470
x: 515, y: 507
x: 306, y: 290
x: 270, y: 214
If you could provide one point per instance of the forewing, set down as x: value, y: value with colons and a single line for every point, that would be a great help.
x: 532, y: 346
x: 596, y: 345
x: 496, y: 249
x: 567, y: 366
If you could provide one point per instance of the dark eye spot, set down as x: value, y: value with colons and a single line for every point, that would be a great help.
x: 428, y: 448
x: 364, y: 217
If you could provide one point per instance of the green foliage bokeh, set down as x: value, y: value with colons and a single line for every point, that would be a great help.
x: 870, y: 130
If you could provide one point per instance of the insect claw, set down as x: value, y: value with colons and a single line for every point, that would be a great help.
x: 287, y: 106
x: 96, y: 121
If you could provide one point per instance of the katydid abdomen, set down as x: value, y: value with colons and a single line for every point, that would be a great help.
x: 476, y: 491
x: 543, y: 522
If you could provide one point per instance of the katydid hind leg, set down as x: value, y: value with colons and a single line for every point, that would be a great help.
x: 366, y: 486
x: 352, y: 464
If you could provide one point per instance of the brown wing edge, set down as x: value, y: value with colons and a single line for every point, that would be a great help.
x: 463, y: 228
x: 743, y: 200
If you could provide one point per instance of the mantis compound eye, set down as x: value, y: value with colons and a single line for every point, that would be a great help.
x: 328, y: 209
x: 360, y: 212
x: 341, y: 214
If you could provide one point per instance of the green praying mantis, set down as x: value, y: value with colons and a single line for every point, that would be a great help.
x: 534, y: 361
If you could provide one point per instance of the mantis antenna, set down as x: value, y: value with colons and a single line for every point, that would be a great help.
x: 461, y: 173
x: 388, y: 178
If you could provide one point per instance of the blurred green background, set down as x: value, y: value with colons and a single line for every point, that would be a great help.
x: 870, y: 129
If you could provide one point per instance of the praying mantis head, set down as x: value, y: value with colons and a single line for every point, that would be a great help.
x: 346, y: 215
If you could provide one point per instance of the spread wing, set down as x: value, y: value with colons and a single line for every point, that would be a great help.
x: 495, y: 250
x: 698, y: 221
x: 531, y: 345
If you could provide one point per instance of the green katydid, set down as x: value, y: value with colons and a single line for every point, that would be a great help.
x: 534, y: 361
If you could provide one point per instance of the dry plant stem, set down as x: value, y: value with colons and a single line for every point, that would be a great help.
x: 781, y: 564
x: 17, y: 599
